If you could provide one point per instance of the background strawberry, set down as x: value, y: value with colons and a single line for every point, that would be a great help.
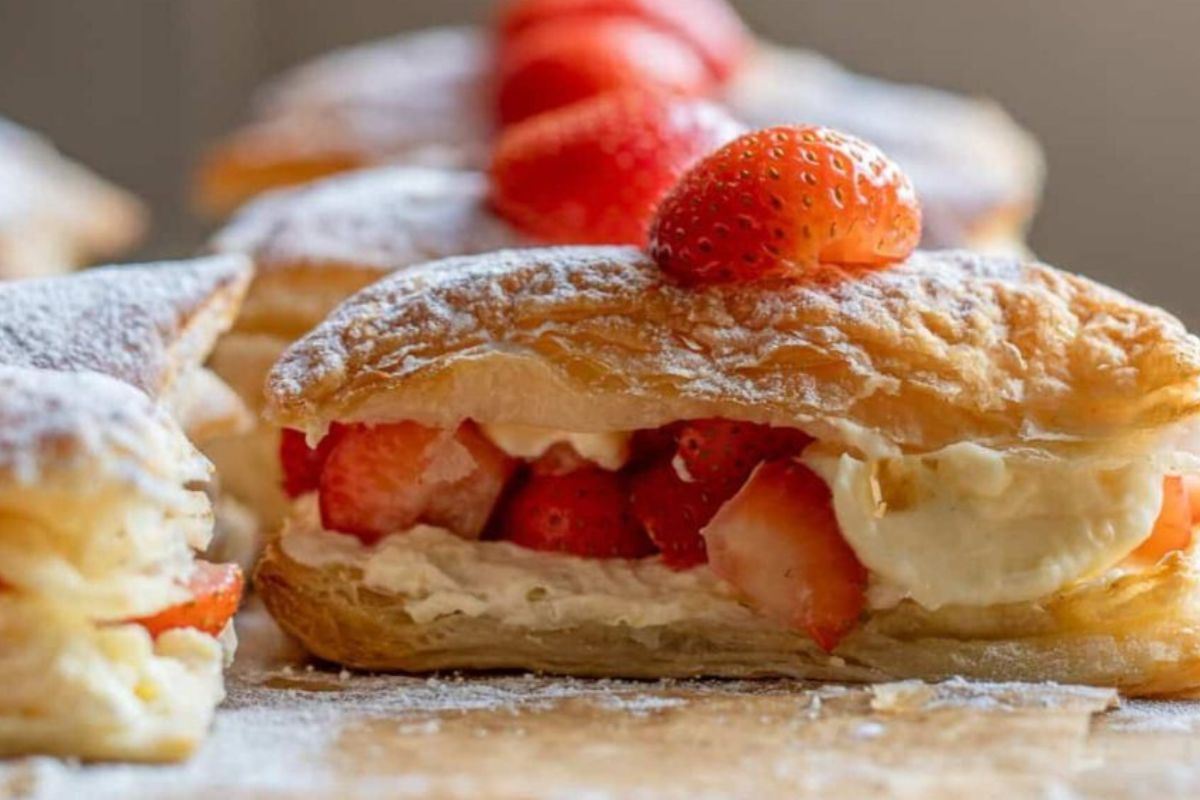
x: 782, y: 202
x: 584, y: 513
x: 674, y: 512
x: 562, y: 62
x: 711, y: 27
x: 594, y: 172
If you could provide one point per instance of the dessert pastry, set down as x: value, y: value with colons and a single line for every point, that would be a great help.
x: 56, y: 215
x: 112, y: 634
x: 425, y: 98
x: 780, y: 444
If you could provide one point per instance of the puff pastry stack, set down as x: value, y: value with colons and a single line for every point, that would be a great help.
x: 777, y: 442
x: 425, y: 99
x: 56, y: 215
x: 103, y: 507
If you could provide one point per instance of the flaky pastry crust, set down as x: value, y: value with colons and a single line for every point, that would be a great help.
x: 1136, y: 633
x: 944, y: 348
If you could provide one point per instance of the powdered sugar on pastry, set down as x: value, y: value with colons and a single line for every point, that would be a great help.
x: 382, y: 219
x: 946, y: 347
x: 137, y: 324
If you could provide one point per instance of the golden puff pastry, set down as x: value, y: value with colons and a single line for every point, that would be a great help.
x: 56, y: 215
x: 103, y: 506
x: 423, y: 98
x: 315, y: 246
x: 1029, y: 394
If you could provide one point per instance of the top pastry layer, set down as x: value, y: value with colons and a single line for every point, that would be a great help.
x: 141, y: 324
x: 946, y: 347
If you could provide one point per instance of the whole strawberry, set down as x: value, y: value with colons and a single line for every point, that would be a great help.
x: 566, y: 61
x: 584, y: 513
x: 711, y: 27
x: 786, y: 202
x: 593, y: 173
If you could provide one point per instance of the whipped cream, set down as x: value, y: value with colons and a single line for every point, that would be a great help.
x: 438, y: 574
x: 968, y: 525
x: 608, y: 450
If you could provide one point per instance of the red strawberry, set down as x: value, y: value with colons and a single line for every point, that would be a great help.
x: 386, y: 478
x: 216, y: 591
x: 585, y: 513
x: 674, y: 512
x: 562, y: 62
x: 594, y: 173
x: 655, y: 444
x: 302, y: 464
x: 712, y: 27
x: 725, y: 452
x: 784, y: 202
x: 779, y: 544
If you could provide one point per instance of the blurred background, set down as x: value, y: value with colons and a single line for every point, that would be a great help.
x: 135, y: 88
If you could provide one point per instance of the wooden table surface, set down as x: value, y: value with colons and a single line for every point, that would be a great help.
x: 289, y: 730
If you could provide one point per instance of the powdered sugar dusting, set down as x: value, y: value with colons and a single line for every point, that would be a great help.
x: 125, y: 322
x: 290, y: 730
x: 384, y: 219
x: 921, y: 354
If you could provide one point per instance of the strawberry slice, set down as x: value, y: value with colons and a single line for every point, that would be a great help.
x: 674, y: 512
x: 584, y: 513
x: 778, y: 543
x: 724, y: 452
x: 562, y: 62
x: 384, y: 479
x: 712, y: 27
x: 216, y: 591
x: 784, y: 203
x: 594, y: 173
x: 302, y: 464
x: 1173, y: 528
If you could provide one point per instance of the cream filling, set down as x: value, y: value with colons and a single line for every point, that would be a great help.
x: 972, y: 526
x: 438, y: 575
x: 608, y: 450
x: 103, y: 691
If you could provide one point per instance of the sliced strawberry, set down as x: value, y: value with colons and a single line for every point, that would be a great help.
x: 725, y: 452
x: 778, y: 543
x: 585, y: 513
x: 302, y: 464
x: 594, y: 173
x: 712, y: 27
x: 1191, y: 484
x: 785, y: 202
x: 674, y: 512
x: 559, y: 63
x: 1173, y: 528
x: 384, y: 479
x: 466, y: 506
x: 655, y: 444
x: 216, y: 591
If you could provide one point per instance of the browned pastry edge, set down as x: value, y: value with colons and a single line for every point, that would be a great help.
x: 1137, y: 634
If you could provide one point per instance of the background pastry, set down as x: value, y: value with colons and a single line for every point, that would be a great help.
x: 56, y: 215
x: 426, y: 98
x: 110, y: 627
